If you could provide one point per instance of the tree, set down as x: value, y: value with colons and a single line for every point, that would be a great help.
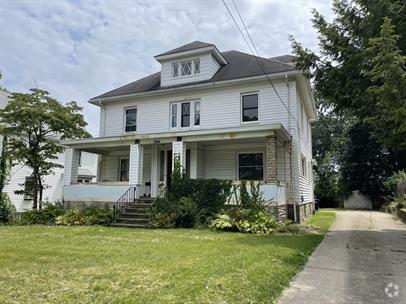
x: 34, y: 123
x: 355, y: 75
x: 388, y: 91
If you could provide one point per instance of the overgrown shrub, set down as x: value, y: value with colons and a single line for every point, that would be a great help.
x: 7, y: 209
x: 248, y: 198
x: 85, y: 216
x: 244, y: 220
x: 45, y: 216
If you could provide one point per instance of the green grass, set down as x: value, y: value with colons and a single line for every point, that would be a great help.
x: 41, y: 264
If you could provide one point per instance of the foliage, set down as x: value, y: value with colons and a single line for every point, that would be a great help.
x: 33, y: 123
x: 4, y: 164
x: 7, y: 209
x: 393, y: 180
x: 244, y: 220
x: 400, y: 201
x: 45, y: 216
x: 359, y: 74
x: 85, y: 216
x: 189, y: 202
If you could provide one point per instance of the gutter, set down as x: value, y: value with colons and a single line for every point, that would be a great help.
x: 97, y: 101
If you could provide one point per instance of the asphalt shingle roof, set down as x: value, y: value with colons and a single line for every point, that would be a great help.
x: 239, y: 65
x: 188, y: 47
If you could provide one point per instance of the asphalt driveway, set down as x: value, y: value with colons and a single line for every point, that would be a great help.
x: 361, y: 260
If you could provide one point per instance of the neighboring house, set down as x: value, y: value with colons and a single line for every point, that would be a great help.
x: 20, y: 176
x: 218, y: 114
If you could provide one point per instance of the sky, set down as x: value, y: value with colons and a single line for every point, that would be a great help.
x: 81, y: 48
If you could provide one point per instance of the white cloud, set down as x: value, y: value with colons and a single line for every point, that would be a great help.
x: 79, y: 49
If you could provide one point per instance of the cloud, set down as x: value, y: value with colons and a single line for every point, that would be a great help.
x: 80, y: 49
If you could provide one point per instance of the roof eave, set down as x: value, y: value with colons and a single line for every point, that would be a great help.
x: 213, y: 49
x: 99, y: 101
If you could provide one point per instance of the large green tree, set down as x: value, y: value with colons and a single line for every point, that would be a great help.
x: 359, y: 74
x: 34, y: 124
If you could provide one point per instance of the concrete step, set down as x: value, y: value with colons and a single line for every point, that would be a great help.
x: 131, y: 220
x: 128, y: 225
x: 138, y: 205
x: 134, y: 215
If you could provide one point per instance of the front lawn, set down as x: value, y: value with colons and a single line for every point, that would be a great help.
x: 40, y: 264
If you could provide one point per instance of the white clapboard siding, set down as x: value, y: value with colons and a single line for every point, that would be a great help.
x: 208, y: 67
x: 220, y: 108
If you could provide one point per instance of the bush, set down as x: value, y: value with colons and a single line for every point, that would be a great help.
x: 7, y: 209
x: 251, y: 199
x: 85, y: 216
x: 244, y: 220
x: 45, y: 216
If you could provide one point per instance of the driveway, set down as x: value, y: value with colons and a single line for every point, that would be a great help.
x: 361, y: 260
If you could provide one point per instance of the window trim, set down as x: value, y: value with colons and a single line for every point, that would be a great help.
x: 28, y: 197
x: 119, y: 168
x: 192, y: 68
x: 304, y: 166
x: 241, y: 107
x: 179, y: 114
x: 125, y: 120
x: 251, y: 152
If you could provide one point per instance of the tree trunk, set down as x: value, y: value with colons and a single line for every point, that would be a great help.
x: 35, y: 189
x: 40, y: 192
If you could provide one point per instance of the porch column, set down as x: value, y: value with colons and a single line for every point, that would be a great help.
x: 154, y: 170
x: 179, y: 152
x: 271, y: 169
x: 70, y: 172
x: 135, y: 167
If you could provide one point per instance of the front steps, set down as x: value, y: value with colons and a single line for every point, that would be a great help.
x: 134, y: 215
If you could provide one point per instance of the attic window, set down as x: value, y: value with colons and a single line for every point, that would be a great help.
x: 185, y: 68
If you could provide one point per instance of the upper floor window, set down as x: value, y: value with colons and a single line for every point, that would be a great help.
x: 249, y: 105
x: 185, y: 114
x: 185, y: 68
x: 131, y: 120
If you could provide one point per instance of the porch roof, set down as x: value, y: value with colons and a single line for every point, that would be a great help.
x: 117, y: 142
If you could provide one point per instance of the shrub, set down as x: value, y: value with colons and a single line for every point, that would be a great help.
x: 85, y: 216
x: 45, y: 216
x: 251, y: 199
x: 244, y: 220
x: 7, y: 209
x: 163, y: 220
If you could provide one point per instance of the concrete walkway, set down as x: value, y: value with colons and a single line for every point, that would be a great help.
x: 361, y: 260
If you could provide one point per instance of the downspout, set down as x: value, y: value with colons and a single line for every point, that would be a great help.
x: 290, y: 152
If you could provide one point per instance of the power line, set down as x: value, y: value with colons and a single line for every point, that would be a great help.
x: 256, y: 56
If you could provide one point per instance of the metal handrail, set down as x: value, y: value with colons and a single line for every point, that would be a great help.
x: 127, y: 198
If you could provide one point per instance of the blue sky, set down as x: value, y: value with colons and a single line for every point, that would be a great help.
x: 79, y: 49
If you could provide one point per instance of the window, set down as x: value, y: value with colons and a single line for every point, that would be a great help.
x: 185, y: 114
x: 124, y: 169
x: 162, y: 165
x: 185, y: 68
x: 80, y: 159
x: 250, y: 107
x: 175, y: 69
x: 174, y: 115
x: 28, y: 188
x: 131, y: 120
x: 303, y: 166
x: 197, y: 113
x: 196, y: 66
x: 250, y: 166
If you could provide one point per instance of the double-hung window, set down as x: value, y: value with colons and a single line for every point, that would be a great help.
x: 249, y: 107
x: 28, y: 188
x: 184, y: 114
x: 251, y: 166
x: 131, y: 120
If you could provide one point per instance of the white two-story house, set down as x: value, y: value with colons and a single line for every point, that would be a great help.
x: 226, y: 115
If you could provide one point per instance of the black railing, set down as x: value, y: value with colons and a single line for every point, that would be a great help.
x: 127, y: 198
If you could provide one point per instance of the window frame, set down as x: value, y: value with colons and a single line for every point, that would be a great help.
x: 178, y: 115
x: 28, y: 197
x: 242, y: 108
x: 179, y: 68
x: 120, y: 171
x: 303, y: 163
x: 251, y: 152
x: 125, y: 119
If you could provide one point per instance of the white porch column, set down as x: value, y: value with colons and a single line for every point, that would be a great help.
x: 154, y: 170
x: 136, y: 165
x: 70, y: 172
x: 179, y: 152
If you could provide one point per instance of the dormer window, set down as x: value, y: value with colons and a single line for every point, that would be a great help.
x: 185, y: 68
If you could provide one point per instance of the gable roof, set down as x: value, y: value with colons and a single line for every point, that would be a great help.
x: 239, y: 65
x: 289, y: 59
x: 187, y: 47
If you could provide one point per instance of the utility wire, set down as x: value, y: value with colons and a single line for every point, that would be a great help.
x: 256, y: 56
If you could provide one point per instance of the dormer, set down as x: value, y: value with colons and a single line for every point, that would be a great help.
x: 193, y: 62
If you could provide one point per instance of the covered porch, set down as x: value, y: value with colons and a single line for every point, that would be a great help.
x: 146, y: 162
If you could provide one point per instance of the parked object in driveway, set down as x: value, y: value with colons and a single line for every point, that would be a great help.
x: 357, y: 200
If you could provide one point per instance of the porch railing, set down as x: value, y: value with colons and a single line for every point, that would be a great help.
x: 127, y: 198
